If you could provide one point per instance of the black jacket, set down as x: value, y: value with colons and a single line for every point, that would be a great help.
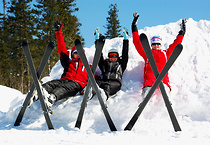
x: 114, y: 70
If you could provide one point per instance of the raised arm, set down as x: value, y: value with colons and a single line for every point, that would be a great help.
x: 136, y: 40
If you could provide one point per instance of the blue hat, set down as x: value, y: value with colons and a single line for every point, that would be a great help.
x: 156, y: 39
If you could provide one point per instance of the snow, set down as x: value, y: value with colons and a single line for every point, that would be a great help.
x: 189, y: 79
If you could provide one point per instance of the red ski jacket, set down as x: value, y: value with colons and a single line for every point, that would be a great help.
x: 73, y: 68
x: 160, y: 56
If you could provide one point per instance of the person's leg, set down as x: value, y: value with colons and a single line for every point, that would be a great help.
x: 66, y: 89
x: 57, y: 90
x: 114, y: 87
x: 110, y: 87
x: 103, y: 89
x: 46, y: 89
x: 51, y: 85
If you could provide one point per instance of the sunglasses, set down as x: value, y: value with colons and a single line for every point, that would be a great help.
x: 156, y: 44
x: 111, y: 55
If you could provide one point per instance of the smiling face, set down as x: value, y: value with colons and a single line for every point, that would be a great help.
x: 113, y: 56
x: 76, y: 55
x: 113, y: 59
x: 156, y: 46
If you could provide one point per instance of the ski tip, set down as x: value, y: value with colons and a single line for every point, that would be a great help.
x: 24, y: 43
x: 180, y: 46
x: 102, y: 38
x: 142, y: 35
x: 77, y: 41
x: 51, y: 45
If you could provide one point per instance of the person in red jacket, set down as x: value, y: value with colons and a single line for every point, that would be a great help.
x: 160, y: 56
x: 74, y: 77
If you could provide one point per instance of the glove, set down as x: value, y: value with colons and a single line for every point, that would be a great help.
x: 135, y: 19
x: 96, y: 33
x: 183, y: 27
x: 125, y: 33
x: 58, y: 26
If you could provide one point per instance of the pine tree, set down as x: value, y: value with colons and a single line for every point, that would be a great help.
x: 61, y: 10
x: 113, y: 25
x: 19, y: 25
x: 4, y: 71
x: 35, y: 24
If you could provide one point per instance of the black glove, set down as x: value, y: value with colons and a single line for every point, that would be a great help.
x: 183, y: 27
x: 135, y: 20
x: 57, y: 25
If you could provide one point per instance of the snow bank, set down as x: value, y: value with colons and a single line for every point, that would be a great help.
x: 189, y: 79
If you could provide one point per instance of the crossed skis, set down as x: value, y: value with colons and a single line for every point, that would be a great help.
x: 99, y: 46
x: 92, y: 82
x: 158, y: 82
x: 80, y: 50
x: 35, y: 84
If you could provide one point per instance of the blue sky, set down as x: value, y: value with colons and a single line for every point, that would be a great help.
x: 93, y: 13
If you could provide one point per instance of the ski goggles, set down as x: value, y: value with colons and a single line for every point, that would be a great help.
x: 111, y: 55
x: 156, y: 44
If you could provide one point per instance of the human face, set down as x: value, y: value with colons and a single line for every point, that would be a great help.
x: 113, y: 59
x: 156, y: 46
x: 76, y: 55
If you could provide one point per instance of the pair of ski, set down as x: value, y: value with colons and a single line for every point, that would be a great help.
x: 92, y: 82
x: 158, y: 82
x: 35, y: 84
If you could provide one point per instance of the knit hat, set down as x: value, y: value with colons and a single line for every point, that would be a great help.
x: 156, y: 39
x: 73, y: 50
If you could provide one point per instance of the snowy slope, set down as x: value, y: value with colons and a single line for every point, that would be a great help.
x: 189, y: 79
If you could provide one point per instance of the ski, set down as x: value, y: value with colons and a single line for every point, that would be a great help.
x: 40, y: 69
x: 97, y: 55
x: 36, y: 83
x: 147, y: 49
x: 142, y: 105
x: 80, y: 50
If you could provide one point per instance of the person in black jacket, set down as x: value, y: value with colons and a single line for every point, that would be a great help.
x: 113, y: 67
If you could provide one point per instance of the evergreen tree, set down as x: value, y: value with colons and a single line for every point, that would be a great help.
x: 35, y: 24
x: 113, y: 25
x: 17, y: 27
x: 61, y: 10
x: 4, y: 69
